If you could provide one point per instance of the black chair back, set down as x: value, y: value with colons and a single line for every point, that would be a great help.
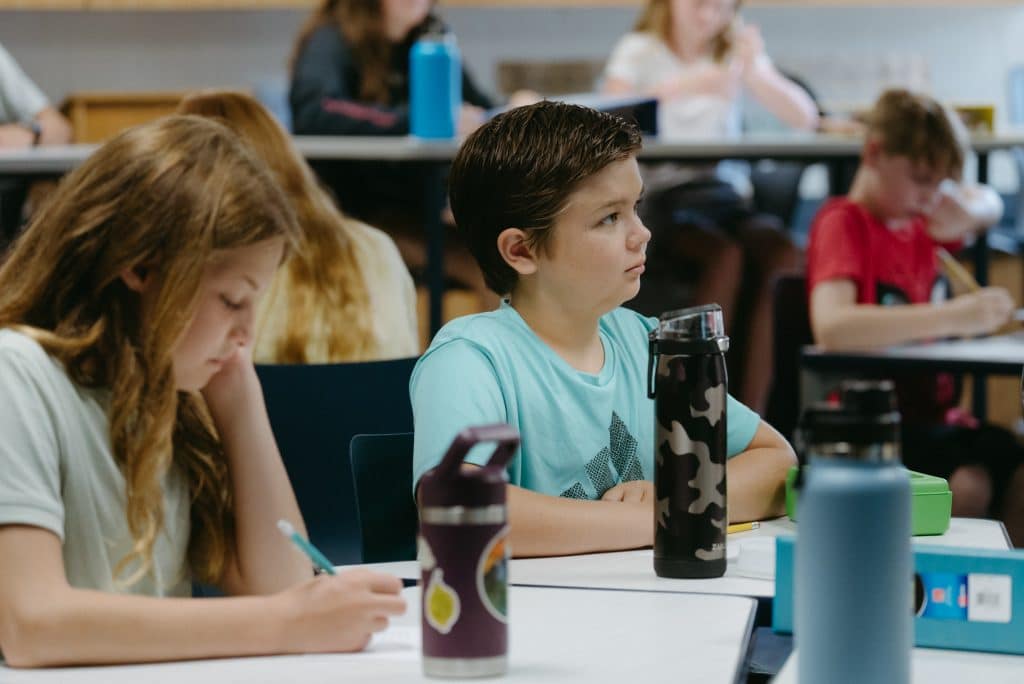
x: 315, y: 410
x: 792, y: 323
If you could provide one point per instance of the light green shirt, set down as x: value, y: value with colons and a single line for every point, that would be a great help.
x: 57, y: 472
x: 581, y: 434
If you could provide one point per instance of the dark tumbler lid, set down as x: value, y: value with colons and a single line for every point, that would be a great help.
x: 866, y: 416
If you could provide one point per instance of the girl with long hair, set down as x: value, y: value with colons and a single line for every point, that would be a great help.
x: 344, y: 293
x: 697, y: 58
x: 137, y: 454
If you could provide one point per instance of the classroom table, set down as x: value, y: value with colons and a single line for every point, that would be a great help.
x: 940, y: 666
x: 634, y: 570
x: 555, y: 635
x: 993, y: 355
x: 434, y: 156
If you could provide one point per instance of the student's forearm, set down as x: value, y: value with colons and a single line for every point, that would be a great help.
x: 266, y: 561
x: 81, y: 627
x: 870, y: 326
x: 55, y: 128
x: 543, y: 525
x: 782, y: 98
x: 756, y: 484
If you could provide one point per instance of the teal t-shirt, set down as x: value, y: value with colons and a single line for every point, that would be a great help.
x: 581, y: 434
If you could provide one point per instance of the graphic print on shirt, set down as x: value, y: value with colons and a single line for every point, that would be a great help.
x: 616, y: 463
x: 887, y: 294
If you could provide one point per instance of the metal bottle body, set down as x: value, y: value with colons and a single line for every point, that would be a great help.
x: 690, y: 391
x: 435, y: 86
x: 463, y: 554
x: 464, y: 580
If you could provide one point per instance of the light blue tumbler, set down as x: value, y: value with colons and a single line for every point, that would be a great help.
x: 435, y: 86
x: 853, y: 614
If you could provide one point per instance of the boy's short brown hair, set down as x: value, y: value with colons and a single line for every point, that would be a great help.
x: 520, y: 169
x: 919, y: 128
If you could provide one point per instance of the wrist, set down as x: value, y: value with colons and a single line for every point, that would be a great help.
x: 280, y: 625
x: 36, y: 129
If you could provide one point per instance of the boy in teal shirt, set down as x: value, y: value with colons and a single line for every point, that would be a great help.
x: 546, y: 196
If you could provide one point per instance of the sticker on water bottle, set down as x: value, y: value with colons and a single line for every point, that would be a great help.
x: 441, y: 603
x: 492, y: 576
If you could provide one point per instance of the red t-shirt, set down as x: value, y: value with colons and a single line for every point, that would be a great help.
x: 889, y: 267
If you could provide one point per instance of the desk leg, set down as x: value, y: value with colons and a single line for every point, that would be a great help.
x: 981, y: 261
x: 433, y: 204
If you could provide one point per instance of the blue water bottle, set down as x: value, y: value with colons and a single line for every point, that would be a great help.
x: 435, y: 85
x: 854, y: 571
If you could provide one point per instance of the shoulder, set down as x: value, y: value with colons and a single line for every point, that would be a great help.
x: 373, y: 242
x: 638, y: 42
x: 492, y: 332
x: 627, y: 325
x: 27, y: 369
x: 18, y: 350
x: 325, y: 39
x: 838, y: 209
x: 839, y: 215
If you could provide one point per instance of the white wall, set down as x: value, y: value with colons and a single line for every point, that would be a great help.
x: 965, y: 50
x: 846, y: 54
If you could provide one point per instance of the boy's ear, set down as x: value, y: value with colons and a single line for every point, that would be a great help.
x: 137, y: 278
x: 516, y: 251
x: 872, y: 151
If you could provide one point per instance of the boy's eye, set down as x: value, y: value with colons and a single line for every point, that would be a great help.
x: 234, y: 306
x: 610, y: 219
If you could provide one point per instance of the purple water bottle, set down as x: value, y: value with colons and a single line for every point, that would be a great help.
x: 463, y: 553
x: 687, y: 380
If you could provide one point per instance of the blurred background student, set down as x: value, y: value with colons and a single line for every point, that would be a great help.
x: 350, y: 76
x: 698, y: 58
x: 343, y: 293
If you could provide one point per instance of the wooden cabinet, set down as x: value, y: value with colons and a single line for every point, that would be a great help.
x: 96, y: 116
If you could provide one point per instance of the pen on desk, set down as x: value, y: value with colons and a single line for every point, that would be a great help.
x: 742, y: 527
x: 318, y: 558
x: 957, y: 272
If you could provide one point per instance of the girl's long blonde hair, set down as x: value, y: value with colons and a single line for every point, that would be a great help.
x: 656, y: 18
x: 326, y: 289
x: 362, y: 24
x: 161, y: 197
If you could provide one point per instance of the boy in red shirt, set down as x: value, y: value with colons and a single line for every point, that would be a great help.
x: 873, y: 279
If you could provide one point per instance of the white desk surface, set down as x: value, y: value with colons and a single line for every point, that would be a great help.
x: 634, y: 570
x: 61, y: 158
x: 935, y: 666
x: 555, y: 635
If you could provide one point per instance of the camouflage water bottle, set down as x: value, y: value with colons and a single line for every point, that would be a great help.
x: 687, y: 380
x: 463, y: 553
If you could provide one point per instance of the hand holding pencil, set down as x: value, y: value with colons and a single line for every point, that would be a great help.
x: 981, y: 310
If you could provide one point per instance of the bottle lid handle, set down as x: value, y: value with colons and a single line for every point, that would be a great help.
x: 506, y: 437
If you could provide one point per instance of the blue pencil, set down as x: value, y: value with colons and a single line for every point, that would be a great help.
x: 315, y: 555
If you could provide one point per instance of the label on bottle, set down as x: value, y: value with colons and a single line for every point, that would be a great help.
x: 975, y: 597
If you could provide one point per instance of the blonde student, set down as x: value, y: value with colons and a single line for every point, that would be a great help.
x: 344, y: 293
x: 874, y: 281
x: 546, y: 196
x: 136, y: 452
x: 699, y: 59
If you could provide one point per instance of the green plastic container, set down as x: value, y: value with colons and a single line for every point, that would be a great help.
x: 930, y: 502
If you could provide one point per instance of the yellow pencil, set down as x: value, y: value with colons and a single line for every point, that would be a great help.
x: 957, y: 272
x: 743, y: 527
